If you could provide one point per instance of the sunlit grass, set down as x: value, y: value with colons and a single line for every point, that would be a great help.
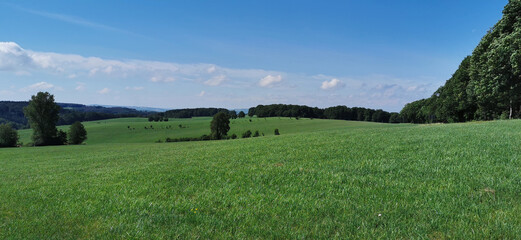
x: 353, y: 180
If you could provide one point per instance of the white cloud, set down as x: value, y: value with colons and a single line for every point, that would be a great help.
x: 134, y: 88
x: 104, y: 91
x: 80, y: 86
x: 211, y: 69
x: 201, y: 94
x: 14, y: 58
x: 162, y: 79
x: 41, y: 86
x: 215, y: 81
x: 333, y: 84
x: 388, y: 91
x: 270, y: 80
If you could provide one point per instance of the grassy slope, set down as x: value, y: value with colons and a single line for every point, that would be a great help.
x: 427, y: 181
x: 117, y: 131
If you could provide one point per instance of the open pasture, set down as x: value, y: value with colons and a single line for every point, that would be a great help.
x: 337, y: 179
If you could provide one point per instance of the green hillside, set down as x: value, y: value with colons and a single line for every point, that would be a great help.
x: 118, y: 131
x: 319, y: 179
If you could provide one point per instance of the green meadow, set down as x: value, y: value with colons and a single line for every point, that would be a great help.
x: 320, y: 179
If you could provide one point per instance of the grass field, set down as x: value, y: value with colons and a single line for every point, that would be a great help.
x: 319, y: 179
x: 118, y: 131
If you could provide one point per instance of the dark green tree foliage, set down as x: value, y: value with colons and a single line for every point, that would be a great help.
x: 395, y: 118
x: 486, y: 86
x: 42, y: 114
x: 451, y: 102
x: 251, y: 112
x: 241, y: 114
x: 77, y: 133
x: 220, y: 125
x: 233, y: 114
x: 193, y: 112
x: 256, y: 134
x: 337, y: 112
x: 246, y: 134
x: 496, y: 67
x: 8, y: 136
x: 283, y: 110
x: 276, y: 131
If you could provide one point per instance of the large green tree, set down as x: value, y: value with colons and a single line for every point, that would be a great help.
x: 220, y: 125
x: 43, y: 114
x: 496, y: 67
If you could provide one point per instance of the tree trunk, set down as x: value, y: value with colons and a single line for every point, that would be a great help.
x: 510, y: 115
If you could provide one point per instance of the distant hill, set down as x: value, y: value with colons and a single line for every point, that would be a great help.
x: 144, y: 109
x: 12, y: 112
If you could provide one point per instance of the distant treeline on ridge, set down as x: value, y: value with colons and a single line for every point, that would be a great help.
x: 192, y: 112
x: 338, y: 112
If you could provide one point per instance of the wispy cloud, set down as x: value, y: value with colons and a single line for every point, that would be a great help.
x: 40, y: 86
x: 104, y: 91
x: 257, y: 84
x: 134, y: 88
x: 216, y: 80
x: 15, y: 58
x: 72, y: 20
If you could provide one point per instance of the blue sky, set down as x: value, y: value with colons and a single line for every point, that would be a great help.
x: 237, y: 54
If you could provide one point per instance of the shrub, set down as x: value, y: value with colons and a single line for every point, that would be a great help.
x: 256, y: 134
x: 8, y: 136
x: 246, y: 134
x: 189, y: 139
x: 277, y: 131
x: 77, y: 133
x: 234, y: 136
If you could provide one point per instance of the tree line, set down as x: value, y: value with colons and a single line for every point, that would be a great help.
x: 487, y: 84
x: 337, y: 112
x: 192, y: 112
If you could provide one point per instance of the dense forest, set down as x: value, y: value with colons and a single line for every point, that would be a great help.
x: 193, y: 112
x: 487, y: 84
x: 338, y: 112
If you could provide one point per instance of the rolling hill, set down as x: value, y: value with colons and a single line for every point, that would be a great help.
x: 319, y: 179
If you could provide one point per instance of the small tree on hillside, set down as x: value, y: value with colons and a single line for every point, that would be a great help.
x: 241, y: 114
x: 246, y: 134
x: 8, y: 136
x: 277, y: 131
x: 233, y: 114
x: 220, y: 125
x: 77, y: 133
x: 42, y: 113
